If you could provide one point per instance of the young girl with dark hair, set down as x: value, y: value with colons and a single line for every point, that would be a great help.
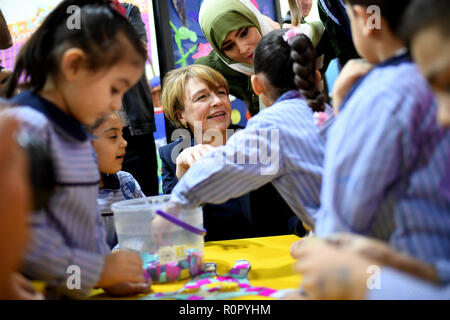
x: 287, y: 130
x: 386, y: 172
x: 115, y: 184
x: 274, y: 60
x: 74, y: 73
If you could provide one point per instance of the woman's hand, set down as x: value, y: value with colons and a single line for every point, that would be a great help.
x: 189, y: 156
x: 352, y: 71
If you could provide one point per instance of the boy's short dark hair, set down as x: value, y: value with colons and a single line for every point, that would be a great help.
x: 391, y: 10
x: 423, y: 14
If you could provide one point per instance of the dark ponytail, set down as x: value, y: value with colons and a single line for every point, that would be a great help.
x: 303, y: 55
x: 97, y: 35
x: 273, y: 58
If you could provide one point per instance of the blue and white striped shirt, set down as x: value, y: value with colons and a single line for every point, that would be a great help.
x: 126, y: 188
x: 70, y: 231
x: 386, y: 169
x: 396, y: 285
x: 281, y: 144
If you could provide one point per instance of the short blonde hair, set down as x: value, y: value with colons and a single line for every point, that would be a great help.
x: 296, y: 12
x: 174, y: 88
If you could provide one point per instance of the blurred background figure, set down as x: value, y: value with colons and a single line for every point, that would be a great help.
x: 5, y: 43
x: 138, y: 119
x: 15, y: 205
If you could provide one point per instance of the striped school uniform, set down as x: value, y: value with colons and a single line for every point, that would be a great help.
x: 387, y: 171
x: 69, y: 231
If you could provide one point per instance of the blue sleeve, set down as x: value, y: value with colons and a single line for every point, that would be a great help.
x: 138, y: 191
x: 168, y: 176
x: 129, y: 186
x: 366, y: 152
x: 395, y: 285
x: 229, y: 171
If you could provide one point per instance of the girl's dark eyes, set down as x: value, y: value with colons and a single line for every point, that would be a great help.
x: 244, y: 33
x: 113, y: 137
x: 114, y: 91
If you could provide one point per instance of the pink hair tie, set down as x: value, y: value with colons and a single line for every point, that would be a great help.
x: 321, y: 117
x: 116, y: 6
x: 291, y: 33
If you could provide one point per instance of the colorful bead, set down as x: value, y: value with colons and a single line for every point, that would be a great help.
x: 173, y: 270
x: 184, y: 273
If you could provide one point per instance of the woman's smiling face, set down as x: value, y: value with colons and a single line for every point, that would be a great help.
x: 206, y: 106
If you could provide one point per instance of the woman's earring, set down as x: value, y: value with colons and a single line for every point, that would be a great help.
x: 184, y: 124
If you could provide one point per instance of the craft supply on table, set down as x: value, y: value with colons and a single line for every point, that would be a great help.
x: 172, y: 263
x: 208, y: 285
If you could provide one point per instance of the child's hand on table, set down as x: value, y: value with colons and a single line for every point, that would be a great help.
x: 366, y: 247
x: 128, y: 289
x: 22, y: 289
x: 331, y: 273
x: 383, y: 254
x: 123, y: 274
x: 295, y: 247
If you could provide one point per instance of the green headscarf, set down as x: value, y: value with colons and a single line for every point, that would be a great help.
x: 220, y: 17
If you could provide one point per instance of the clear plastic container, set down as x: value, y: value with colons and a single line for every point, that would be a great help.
x: 171, y: 247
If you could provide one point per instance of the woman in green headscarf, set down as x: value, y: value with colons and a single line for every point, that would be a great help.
x: 234, y: 28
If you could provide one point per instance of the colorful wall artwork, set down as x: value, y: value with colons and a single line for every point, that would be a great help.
x: 21, y: 24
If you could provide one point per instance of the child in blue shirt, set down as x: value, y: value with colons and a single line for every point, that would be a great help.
x: 74, y: 75
x: 323, y: 264
x: 386, y: 172
x: 425, y: 29
x: 115, y: 185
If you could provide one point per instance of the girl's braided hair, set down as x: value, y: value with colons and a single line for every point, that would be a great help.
x: 303, y: 55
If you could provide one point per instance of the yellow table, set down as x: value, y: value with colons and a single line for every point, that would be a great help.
x: 271, y: 263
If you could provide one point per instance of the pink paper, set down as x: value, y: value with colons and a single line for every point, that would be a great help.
x: 267, y: 292
x: 254, y: 289
x: 224, y: 278
x: 195, y: 298
x: 203, y: 281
